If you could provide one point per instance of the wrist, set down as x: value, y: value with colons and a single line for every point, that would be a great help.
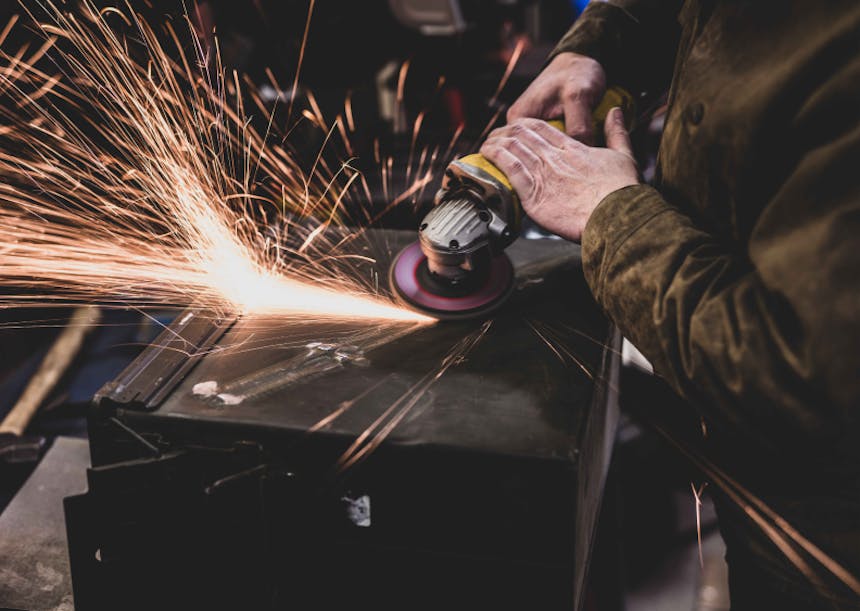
x: 607, y: 202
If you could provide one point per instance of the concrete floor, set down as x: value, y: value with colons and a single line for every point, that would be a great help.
x: 681, y: 582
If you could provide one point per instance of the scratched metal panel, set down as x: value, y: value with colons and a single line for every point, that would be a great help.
x: 514, y: 392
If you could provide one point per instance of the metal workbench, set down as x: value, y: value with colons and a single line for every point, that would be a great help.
x: 226, y: 472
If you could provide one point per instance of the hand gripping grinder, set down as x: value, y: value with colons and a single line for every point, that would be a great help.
x: 458, y: 269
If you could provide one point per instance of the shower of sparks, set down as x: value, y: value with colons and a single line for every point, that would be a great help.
x: 139, y: 181
x: 129, y: 177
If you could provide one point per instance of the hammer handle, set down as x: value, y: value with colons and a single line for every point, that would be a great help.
x: 56, y: 361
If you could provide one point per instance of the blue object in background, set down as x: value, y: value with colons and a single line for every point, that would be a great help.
x: 578, y: 6
x: 109, y: 348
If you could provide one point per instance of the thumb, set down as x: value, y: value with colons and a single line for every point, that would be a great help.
x: 617, y: 137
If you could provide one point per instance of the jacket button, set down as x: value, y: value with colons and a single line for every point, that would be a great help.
x: 694, y: 113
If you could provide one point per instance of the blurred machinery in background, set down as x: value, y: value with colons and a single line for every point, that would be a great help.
x: 455, y: 52
x: 430, y: 17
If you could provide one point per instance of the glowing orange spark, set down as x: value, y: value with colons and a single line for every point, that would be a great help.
x: 509, y: 69
x: 136, y: 182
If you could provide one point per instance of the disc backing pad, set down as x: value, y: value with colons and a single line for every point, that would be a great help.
x: 413, y: 283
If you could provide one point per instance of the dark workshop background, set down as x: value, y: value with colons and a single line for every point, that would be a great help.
x: 355, y: 49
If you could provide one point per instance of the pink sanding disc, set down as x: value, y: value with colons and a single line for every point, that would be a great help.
x: 405, y: 280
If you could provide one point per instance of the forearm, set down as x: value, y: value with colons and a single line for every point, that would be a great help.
x: 747, y: 353
x: 634, y: 40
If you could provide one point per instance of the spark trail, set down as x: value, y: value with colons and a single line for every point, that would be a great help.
x: 366, y: 443
x: 129, y: 177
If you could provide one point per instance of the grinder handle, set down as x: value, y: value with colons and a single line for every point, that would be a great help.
x: 614, y: 96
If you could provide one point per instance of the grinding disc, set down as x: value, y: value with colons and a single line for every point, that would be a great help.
x: 413, y: 283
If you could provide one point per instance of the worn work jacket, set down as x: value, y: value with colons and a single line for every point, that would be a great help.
x: 738, y: 272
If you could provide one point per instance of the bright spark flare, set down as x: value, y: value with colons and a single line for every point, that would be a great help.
x: 129, y: 181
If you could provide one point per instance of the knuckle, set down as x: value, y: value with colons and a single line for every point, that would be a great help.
x: 517, y: 167
x: 590, y: 87
x: 489, y: 149
x: 500, y: 144
x: 571, y: 91
x: 580, y: 132
x: 517, y: 109
x: 580, y: 90
x: 577, y: 93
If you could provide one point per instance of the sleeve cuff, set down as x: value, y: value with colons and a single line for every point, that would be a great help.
x: 616, y: 219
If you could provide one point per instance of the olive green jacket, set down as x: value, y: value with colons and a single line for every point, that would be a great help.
x: 738, y: 272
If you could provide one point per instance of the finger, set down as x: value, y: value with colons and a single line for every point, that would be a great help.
x: 617, y: 137
x: 530, y: 139
x: 514, y: 168
x: 520, y: 108
x: 524, y: 107
x: 534, y: 109
x: 522, y: 151
x: 578, y: 123
x: 546, y: 131
x: 505, y: 131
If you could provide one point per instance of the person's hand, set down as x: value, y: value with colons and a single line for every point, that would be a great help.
x: 559, y: 180
x: 571, y: 87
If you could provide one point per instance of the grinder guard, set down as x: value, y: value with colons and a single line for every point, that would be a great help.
x: 477, y: 215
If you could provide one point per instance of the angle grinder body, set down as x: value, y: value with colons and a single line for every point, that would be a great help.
x: 458, y: 268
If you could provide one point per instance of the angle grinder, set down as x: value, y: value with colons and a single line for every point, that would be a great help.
x: 458, y: 269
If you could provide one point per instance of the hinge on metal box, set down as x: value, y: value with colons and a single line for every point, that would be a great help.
x: 151, y: 377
